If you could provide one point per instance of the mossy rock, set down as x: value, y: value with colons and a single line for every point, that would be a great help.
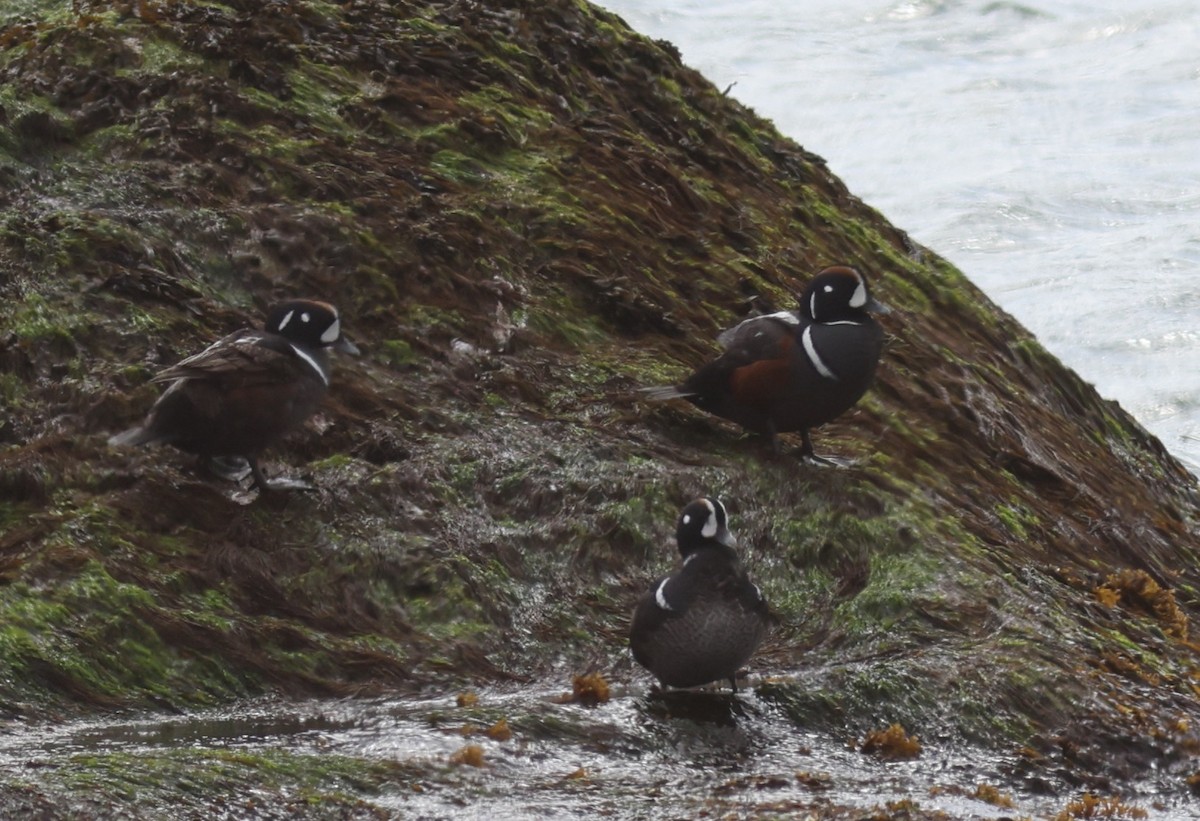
x: 525, y: 212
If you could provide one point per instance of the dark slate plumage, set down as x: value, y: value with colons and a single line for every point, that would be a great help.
x: 242, y: 393
x: 702, y: 623
x: 793, y: 371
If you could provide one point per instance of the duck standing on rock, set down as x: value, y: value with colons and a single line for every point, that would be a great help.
x: 241, y: 394
x: 793, y: 371
x: 702, y: 623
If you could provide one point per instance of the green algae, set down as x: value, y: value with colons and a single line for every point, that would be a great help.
x: 78, y: 632
x: 1019, y: 520
x: 44, y: 10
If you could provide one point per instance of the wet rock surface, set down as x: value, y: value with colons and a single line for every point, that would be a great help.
x: 525, y: 212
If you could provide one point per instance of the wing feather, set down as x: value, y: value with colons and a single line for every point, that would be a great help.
x: 248, y: 357
x: 758, y: 337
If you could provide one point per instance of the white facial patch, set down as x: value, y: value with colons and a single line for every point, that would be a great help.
x: 687, y: 518
x: 332, y: 332
x: 814, y: 357
x: 710, y: 527
x: 286, y: 319
x: 860, y: 295
x: 660, y: 595
x: 304, y: 317
x: 829, y: 289
x: 316, y: 366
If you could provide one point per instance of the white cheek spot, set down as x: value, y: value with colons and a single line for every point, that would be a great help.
x: 332, y: 333
x: 829, y: 289
x: 860, y: 295
x: 304, y: 317
x: 687, y: 518
x: 660, y: 597
x: 286, y: 319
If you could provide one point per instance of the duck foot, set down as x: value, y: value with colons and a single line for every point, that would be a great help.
x: 807, y: 455
x: 229, y: 468
x: 270, y: 485
x: 826, y: 462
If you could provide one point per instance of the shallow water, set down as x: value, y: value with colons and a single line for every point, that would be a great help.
x: 636, y: 756
x: 1050, y: 149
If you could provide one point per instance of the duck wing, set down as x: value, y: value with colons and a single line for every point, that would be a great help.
x: 243, y: 357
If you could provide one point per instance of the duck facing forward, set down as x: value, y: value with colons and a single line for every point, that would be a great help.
x: 793, y: 370
x: 702, y: 623
x: 244, y: 392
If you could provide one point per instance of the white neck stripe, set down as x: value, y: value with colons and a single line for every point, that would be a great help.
x: 660, y: 595
x: 842, y: 322
x: 813, y: 357
x: 316, y: 366
x: 286, y: 319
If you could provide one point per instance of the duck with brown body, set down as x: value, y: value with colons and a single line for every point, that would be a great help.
x: 793, y: 370
x: 241, y: 394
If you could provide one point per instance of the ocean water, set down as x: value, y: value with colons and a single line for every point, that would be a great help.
x: 1050, y: 149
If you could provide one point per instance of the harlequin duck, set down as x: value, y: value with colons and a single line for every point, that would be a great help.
x: 793, y: 371
x: 245, y: 391
x: 702, y: 623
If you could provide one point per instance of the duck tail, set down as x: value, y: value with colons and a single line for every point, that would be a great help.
x: 665, y: 392
x: 135, y: 437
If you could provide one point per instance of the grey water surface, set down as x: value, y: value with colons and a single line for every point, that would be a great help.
x: 638, y: 756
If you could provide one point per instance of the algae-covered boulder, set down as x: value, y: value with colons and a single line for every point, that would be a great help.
x: 525, y: 212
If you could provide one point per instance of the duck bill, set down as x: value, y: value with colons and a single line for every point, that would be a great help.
x: 344, y: 345
x: 876, y: 307
x: 726, y: 537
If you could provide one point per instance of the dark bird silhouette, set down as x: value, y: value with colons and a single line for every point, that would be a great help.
x: 242, y: 393
x: 703, y: 622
